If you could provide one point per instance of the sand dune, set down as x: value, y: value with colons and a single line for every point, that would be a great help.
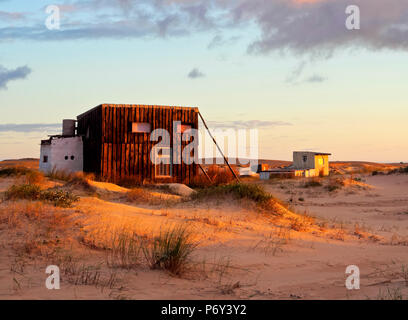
x: 242, y: 252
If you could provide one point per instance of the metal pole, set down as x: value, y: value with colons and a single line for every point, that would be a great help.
x: 205, y: 173
x: 219, y: 149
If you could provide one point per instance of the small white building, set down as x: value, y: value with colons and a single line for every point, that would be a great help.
x: 62, y: 152
x: 314, y: 164
x: 305, y: 164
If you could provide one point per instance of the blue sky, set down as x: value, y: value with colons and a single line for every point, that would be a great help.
x: 321, y: 87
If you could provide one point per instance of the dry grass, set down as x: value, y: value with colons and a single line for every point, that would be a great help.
x: 35, y: 228
x: 218, y: 176
x: 302, y: 222
x: 390, y: 294
x: 273, y: 243
x: 33, y: 192
x: 80, y: 180
x: 125, y: 249
x: 252, y: 192
x: 312, y: 183
x: 142, y: 195
x: 170, y: 250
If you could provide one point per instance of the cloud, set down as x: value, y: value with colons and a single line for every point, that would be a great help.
x: 7, y: 75
x: 195, y: 73
x: 318, y: 28
x: 250, y: 124
x: 219, y: 41
x: 316, y: 79
x: 296, y: 73
x: 315, y: 28
x: 30, y: 127
x: 5, y: 15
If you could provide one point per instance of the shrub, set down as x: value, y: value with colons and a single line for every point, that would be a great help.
x: 59, y: 198
x: 315, y: 182
x: 240, y: 190
x: 14, y: 171
x: 217, y: 175
x: 34, y: 177
x: 81, y: 180
x: 59, y: 175
x: 25, y: 191
x: 170, y: 250
x: 335, y: 184
x: 139, y: 195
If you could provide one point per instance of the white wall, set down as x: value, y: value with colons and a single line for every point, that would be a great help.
x: 45, y: 151
x: 65, y: 154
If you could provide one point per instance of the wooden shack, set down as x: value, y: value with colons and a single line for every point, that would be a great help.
x: 117, y: 146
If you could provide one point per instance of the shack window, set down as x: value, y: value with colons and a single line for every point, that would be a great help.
x: 45, y: 159
x: 141, y: 127
x: 163, y: 162
x: 183, y: 127
x: 304, y: 158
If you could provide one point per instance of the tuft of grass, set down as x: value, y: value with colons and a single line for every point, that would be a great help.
x: 240, y: 190
x: 390, y: 294
x: 81, y: 180
x: 253, y: 192
x: 59, y: 175
x: 170, y: 250
x: 218, y: 176
x: 24, y: 191
x: 139, y: 195
x: 125, y: 249
x: 33, y: 192
x: 312, y: 183
x: 335, y: 184
x: 34, y: 177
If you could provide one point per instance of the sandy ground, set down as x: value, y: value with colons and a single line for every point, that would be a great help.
x: 242, y: 253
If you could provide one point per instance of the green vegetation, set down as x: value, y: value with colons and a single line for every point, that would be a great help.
x: 14, y: 171
x: 239, y: 190
x: 59, y: 198
x: 312, y: 183
x: 170, y: 250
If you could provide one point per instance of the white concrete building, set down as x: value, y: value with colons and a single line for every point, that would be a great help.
x: 63, y: 152
x: 305, y: 164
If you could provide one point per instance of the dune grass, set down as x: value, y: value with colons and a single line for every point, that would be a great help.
x: 170, y: 250
x: 32, y: 192
x: 14, y: 171
x: 252, y: 192
x: 125, y: 249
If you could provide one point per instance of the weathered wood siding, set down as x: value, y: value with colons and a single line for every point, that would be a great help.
x: 116, y: 153
x: 90, y: 127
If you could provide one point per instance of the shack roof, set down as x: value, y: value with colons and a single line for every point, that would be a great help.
x: 315, y: 153
x: 135, y: 106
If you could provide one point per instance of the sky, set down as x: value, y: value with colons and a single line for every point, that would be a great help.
x: 290, y: 69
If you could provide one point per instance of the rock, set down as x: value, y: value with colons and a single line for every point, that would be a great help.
x: 180, y: 189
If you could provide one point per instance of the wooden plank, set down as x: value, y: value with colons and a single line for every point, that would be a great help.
x: 127, y: 146
x: 109, y: 176
x: 120, y: 141
x: 105, y: 161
